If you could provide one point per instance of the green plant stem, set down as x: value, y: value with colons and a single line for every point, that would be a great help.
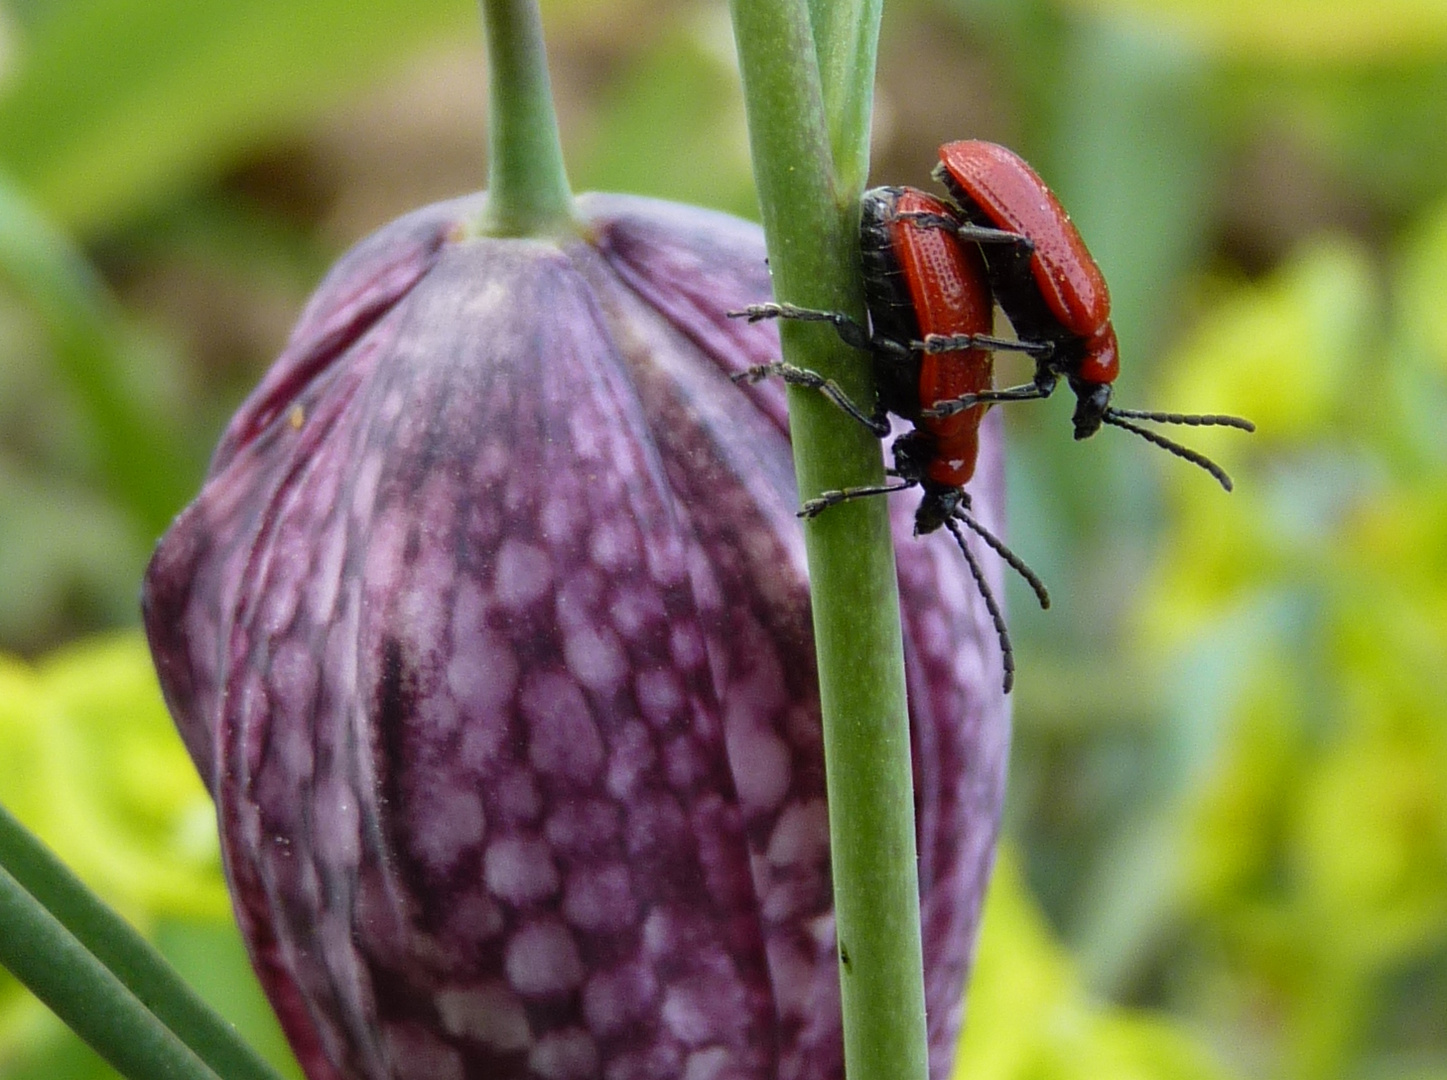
x: 127, y: 955
x: 811, y: 226
x: 62, y: 973
x: 528, y: 192
x: 846, y: 40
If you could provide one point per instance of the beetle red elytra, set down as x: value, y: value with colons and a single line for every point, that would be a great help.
x: 919, y: 281
x: 1051, y: 289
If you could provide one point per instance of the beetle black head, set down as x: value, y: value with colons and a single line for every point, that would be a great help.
x: 1092, y: 404
x: 940, y: 503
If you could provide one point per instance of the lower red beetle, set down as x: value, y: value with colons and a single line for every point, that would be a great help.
x: 1052, y: 290
x: 920, y: 281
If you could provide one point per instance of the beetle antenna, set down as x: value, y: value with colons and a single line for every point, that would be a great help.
x: 1113, y: 416
x: 1007, y: 654
x: 1017, y: 564
x: 1209, y: 420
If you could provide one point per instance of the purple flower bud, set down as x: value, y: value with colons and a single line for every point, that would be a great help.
x: 490, y: 634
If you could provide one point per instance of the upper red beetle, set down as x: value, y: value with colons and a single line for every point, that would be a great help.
x: 919, y: 281
x: 1051, y: 288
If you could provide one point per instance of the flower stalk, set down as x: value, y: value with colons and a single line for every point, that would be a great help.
x: 846, y: 39
x: 810, y: 213
x: 528, y: 192
x: 62, y: 973
x: 56, y: 900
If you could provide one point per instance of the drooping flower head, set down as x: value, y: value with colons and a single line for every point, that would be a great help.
x: 489, y: 633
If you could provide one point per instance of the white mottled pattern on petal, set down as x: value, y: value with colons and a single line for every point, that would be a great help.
x: 520, y: 870
x: 542, y: 960
x: 570, y: 1054
x: 595, y: 658
x: 488, y: 1013
x: 600, y: 898
x: 801, y: 835
x: 523, y: 574
x: 446, y: 821
x: 563, y: 737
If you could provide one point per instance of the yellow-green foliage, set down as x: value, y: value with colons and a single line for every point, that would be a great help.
x: 1292, y: 30
x: 92, y: 765
x: 1028, y: 1015
x: 1307, y: 614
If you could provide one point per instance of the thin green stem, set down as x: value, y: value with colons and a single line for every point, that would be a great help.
x: 528, y: 192
x: 116, y: 944
x: 846, y: 39
x: 811, y: 223
x: 60, y: 971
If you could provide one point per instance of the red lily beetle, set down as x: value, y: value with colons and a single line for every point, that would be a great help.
x: 1052, y: 290
x: 919, y: 281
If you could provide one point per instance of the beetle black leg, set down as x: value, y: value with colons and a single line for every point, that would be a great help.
x: 797, y: 376
x: 982, y: 235
x: 925, y: 220
x: 815, y: 507
x: 979, y: 234
x: 1025, y: 392
x: 943, y: 343
x: 850, y: 332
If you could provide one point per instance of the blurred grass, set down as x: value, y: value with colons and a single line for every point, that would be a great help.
x: 1229, y: 794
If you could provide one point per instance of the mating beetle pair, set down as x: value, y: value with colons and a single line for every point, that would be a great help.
x: 932, y: 272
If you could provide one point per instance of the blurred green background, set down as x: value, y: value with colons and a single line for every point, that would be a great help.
x: 1227, y: 829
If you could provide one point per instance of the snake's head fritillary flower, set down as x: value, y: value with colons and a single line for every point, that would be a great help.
x: 490, y: 634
